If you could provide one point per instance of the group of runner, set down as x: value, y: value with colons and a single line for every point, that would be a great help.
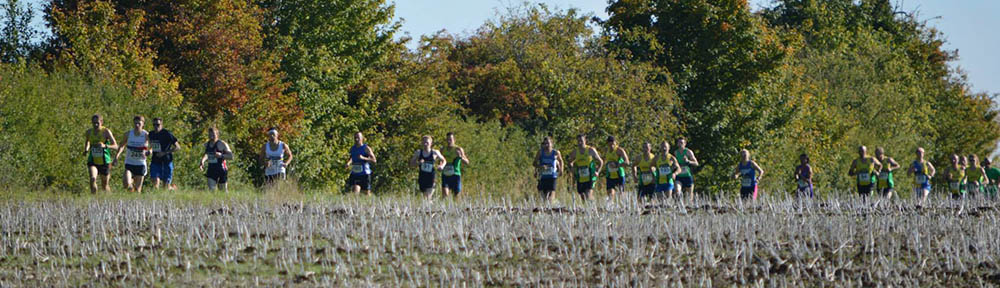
x: 157, y: 147
x: 659, y: 172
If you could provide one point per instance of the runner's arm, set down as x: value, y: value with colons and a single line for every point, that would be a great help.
x: 932, y: 169
x: 437, y: 154
x: 119, y: 154
x: 878, y: 164
x: 561, y: 163
x: 86, y: 142
x: 676, y: 169
x: 760, y: 171
x: 893, y: 165
x: 622, y: 153
x: 201, y: 164
x: 850, y: 172
x: 413, y: 160
x: 809, y: 173
x: 736, y: 172
x: 986, y: 180
x: 693, y: 161
x: 226, y: 152
x: 597, y: 157
x: 111, y: 136
x: 263, y: 155
x: 288, y: 152
x: 371, y: 153
x: 465, y: 159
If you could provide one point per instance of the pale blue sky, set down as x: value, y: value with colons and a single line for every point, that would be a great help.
x: 965, y: 24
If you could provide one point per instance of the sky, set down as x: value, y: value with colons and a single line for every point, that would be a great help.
x: 965, y: 24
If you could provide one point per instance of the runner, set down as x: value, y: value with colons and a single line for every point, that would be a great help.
x: 426, y: 158
x: 645, y: 172
x: 863, y: 169
x: 749, y: 173
x: 549, y: 163
x: 361, y: 161
x: 886, y: 184
x: 137, y: 145
x: 276, y: 155
x: 955, y: 174
x: 217, y: 153
x: 587, y: 164
x: 451, y: 176
x: 923, y: 171
x: 163, y: 144
x: 803, y: 177
x: 975, y: 177
x: 685, y: 157
x: 667, y: 168
x: 617, y: 160
x: 98, y: 143
x: 993, y: 174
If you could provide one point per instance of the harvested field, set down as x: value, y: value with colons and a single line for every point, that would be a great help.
x: 401, y: 242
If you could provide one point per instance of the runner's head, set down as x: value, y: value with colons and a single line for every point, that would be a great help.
x: 157, y: 124
x: 97, y: 121
x: 974, y: 160
x: 964, y: 160
x: 862, y: 151
x: 804, y: 159
x: 745, y: 155
x: 272, y: 134
x: 359, y: 139
x: 666, y: 147
x: 547, y: 143
x: 681, y: 143
x: 138, y: 121
x: 879, y: 152
x: 648, y: 147
x: 582, y: 140
x: 920, y: 153
x: 427, y: 142
x: 955, y: 160
x: 213, y: 134
x: 450, y: 137
x: 986, y: 162
x: 612, y: 142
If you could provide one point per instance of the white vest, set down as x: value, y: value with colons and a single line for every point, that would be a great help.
x: 276, y: 158
x: 135, y: 149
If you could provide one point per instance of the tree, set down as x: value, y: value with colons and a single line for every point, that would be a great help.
x: 17, y: 33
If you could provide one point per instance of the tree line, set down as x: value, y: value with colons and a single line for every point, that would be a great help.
x: 802, y: 76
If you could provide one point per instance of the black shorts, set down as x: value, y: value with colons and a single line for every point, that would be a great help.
x: 614, y: 183
x: 885, y: 191
x: 136, y: 170
x: 218, y: 174
x: 584, y: 187
x: 425, y: 181
x: 547, y: 184
x: 646, y: 191
x: 865, y: 190
x: 102, y: 169
x: 363, y: 180
x: 453, y: 183
x: 275, y: 177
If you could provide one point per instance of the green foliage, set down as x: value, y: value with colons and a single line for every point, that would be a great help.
x: 44, y: 116
x: 16, y: 33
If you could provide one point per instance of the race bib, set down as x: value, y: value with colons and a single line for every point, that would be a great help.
x: 212, y: 159
x: 97, y: 152
x: 666, y: 170
x: 647, y: 178
x: 921, y: 178
x: 686, y: 169
x: 583, y: 172
x: 746, y: 182
x: 155, y: 146
x: 549, y: 171
x: 449, y: 170
x: 864, y: 177
x: 427, y: 167
x: 803, y: 184
x: 956, y: 186
x: 357, y: 168
x: 134, y: 154
x: 883, y: 176
x: 275, y: 166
